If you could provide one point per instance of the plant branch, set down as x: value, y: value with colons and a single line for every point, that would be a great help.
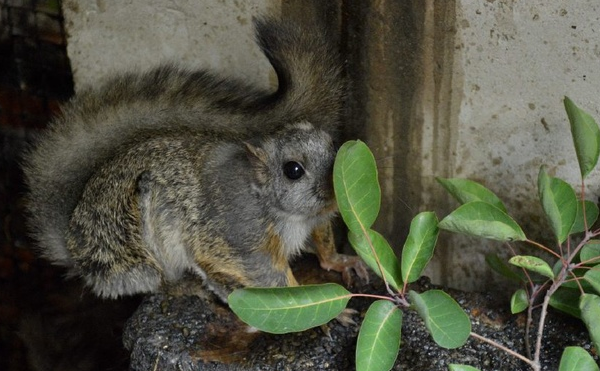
x: 578, y: 283
x: 528, y: 328
x: 588, y: 236
x: 505, y: 349
x: 542, y: 320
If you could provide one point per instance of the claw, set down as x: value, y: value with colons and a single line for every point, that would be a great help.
x: 345, y: 318
x: 345, y: 264
x: 330, y: 259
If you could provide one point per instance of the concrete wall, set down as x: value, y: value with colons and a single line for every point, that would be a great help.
x: 453, y: 88
x: 106, y: 36
x: 470, y: 89
x: 513, y: 62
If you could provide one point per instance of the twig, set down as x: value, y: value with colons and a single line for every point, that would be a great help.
x: 539, y: 245
x: 527, y: 330
x: 505, y: 349
x: 544, y: 311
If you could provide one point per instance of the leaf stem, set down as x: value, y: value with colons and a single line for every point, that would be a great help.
x: 365, y: 232
x: 525, y: 272
x: 587, y: 263
x: 585, y: 224
x: 539, y: 245
x: 373, y: 296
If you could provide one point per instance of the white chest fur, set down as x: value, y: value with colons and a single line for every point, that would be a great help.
x: 294, y: 231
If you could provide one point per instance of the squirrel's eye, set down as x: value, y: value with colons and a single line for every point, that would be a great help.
x: 293, y: 170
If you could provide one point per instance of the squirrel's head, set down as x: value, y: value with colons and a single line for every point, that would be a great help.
x: 294, y: 171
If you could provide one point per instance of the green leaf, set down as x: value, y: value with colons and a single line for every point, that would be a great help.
x: 586, y: 137
x: 566, y: 300
x: 589, y: 304
x: 577, y: 359
x: 481, y: 219
x: 281, y: 310
x: 363, y: 245
x: 455, y: 367
x: 465, y: 190
x: 504, y: 269
x: 356, y: 185
x: 444, y: 318
x: 379, y: 337
x: 592, y: 276
x: 590, y: 253
x: 559, y: 202
x: 591, y: 215
x: 519, y: 301
x: 419, y: 245
x: 532, y: 263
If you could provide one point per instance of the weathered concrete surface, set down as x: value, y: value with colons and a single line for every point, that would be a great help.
x: 108, y: 36
x: 470, y: 89
x: 513, y: 62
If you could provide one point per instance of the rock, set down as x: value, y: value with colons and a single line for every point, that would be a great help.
x: 193, y: 333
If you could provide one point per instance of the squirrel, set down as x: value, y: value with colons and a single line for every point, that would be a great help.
x: 151, y: 176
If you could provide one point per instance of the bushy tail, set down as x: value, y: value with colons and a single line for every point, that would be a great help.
x: 309, y: 72
x: 101, y: 119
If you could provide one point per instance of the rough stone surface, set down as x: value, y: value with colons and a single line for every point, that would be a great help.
x: 179, y: 332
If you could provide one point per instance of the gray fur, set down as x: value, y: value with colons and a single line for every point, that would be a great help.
x: 100, y: 119
x: 185, y: 201
x: 151, y: 175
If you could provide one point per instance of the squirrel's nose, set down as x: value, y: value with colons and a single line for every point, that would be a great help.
x: 324, y: 188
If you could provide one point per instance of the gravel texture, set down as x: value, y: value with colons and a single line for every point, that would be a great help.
x: 193, y: 333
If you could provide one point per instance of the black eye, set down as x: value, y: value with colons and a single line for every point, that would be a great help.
x: 293, y: 170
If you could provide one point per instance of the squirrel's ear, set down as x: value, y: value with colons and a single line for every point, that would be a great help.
x: 258, y: 159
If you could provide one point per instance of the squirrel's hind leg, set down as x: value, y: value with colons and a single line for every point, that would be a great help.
x: 106, y: 243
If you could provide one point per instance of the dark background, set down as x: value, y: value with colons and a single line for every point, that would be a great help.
x: 45, y: 322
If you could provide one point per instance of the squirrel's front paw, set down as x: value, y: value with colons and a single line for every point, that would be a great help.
x: 345, y: 264
x: 345, y: 318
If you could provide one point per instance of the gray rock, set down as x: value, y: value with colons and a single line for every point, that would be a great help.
x: 193, y: 333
